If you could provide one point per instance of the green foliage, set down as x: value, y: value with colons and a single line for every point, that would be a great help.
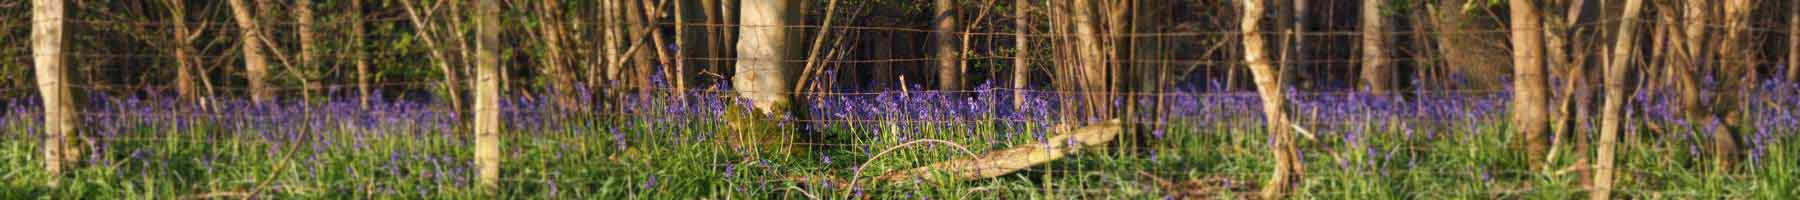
x: 578, y: 162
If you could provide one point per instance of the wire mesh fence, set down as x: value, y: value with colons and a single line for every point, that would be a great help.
x: 626, y: 136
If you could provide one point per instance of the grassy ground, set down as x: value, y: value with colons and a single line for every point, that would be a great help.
x: 405, y: 151
x: 649, y: 164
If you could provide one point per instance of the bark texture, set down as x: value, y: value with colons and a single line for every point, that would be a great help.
x: 1611, y: 114
x: 765, y: 43
x: 487, y: 92
x: 1529, y: 110
x: 1268, y: 86
x: 256, y: 65
x: 948, y: 53
x: 53, y: 86
x: 1377, y: 69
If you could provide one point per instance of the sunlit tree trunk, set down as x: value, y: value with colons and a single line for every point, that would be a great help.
x: 556, y: 63
x: 59, y: 107
x: 1268, y: 86
x: 612, y: 41
x: 1021, y: 71
x: 487, y: 92
x: 765, y: 42
x: 308, y: 61
x: 357, y: 32
x: 1529, y: 92
x: 1793, y: 50
x: 256, y: 67
x: 949, y: 67
x: 1377, y: 69
x: 1611, y: 114
x: 185, y: 68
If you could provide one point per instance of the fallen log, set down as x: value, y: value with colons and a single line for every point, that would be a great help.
x: 1003, y: 162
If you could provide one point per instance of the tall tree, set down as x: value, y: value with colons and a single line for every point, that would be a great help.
x: 1735, y: 73
x: 1377, y: 69
x: 308, y: 59
x: 948, y: 54
x: 1611, y: 116
x: 1268, y: 86
x: 1021, y: 72
x: 765, y: 41
x: 487, y: 91
x: 638, y: 35
x: 256, y: 66
x: 439, y: 56
x: 1529, y: 110
x: 1091, y: 54
x: 555, y: 62
x: 612, y: 41
x: 47, y: 19
x: 357, y: 31
x: 649, y: 24
x: 182, y: 38
x: 1793, y: 50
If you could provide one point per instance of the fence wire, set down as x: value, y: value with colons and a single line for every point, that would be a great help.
x: 1336, y: 124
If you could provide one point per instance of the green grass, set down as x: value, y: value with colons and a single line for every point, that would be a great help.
x: 1465, y: 160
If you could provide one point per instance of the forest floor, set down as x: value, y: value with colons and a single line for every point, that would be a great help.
x: 1204, y: 146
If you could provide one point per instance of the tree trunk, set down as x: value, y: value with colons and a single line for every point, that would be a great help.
x: 1268, y: 86
x: 1021, y: 72
x: 670, y: 69
x: 714, y: 47
x: 256, y: 67
x: 728, y: 34
x: 1529, y: 93
x: 1091, y: 55
x: 184, y: 74
x: 636, y: 31
x: 612, y: 41
x: 308, y: 49
x: 59, y: 106
x: 765, y: 42
x: 357, y: 32
x: 1611, y: 116
x: 679, y: 59
x: 948, y: 55
x: 487, y: 92
x: 1793, y: 50
x: 1736, y: 76
x: 437, y: 53
x: 555, y: 62
x: 1377, y: 69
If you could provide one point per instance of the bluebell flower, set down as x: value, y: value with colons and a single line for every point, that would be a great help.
x: 651, y: 182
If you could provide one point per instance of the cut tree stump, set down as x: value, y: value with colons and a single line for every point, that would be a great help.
x: 1012, y: 160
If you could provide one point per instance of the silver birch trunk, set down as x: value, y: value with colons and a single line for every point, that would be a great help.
x: 1611, y: 116
x: 256, y: 66
x: 764, y: 42
x: 59, y: 110
x: 487, y: 92
x: 1268, y: 86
